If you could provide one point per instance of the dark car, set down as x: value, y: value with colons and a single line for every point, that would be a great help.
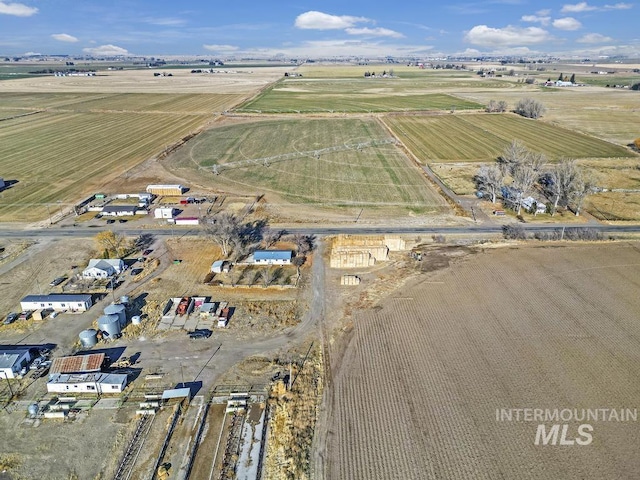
x: 123, y: 220
x: 147, y: 252
x: 201, y: 333
x: 111, y: 220
x: 57, y: 281
x: 136, y: 271
x: 12, y: 317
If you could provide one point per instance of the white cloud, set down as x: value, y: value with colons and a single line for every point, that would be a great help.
x: 585, y: 7
x: 314, y: 20
x: 221, y: 48
x: 592, y: 38
x: 166, y: 22
x: 504, y: 37
x: 619, y: 6
x: 567, y: 23
x: 578, y: 8
x: 17, y: 9
x: 63, y: 37
x: 106, y: 51
x: 377, y: 32
x: 543, y: 20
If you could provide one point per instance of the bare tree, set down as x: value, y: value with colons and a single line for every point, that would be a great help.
x: 495, y: 107
x: 490, y: 180
x: 524, y: 176
x: 224, y: 229
x: 516, y: 153
x: 530, y: 108
x: 268, y: 275
x: 581, y: 188
x: 304, y: 243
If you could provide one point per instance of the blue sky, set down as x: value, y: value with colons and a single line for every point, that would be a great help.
x: 318, y: 29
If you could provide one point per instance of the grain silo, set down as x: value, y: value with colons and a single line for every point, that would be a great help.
x: 110, y: 324
x: 136, y: 320
x: 117, y: 309
x: 88, y: 338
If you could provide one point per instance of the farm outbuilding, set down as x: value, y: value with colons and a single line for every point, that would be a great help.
x: 12, y: 360
x: 95, y: 383
x: 187, y: 221
x: 220, y: 266
x: 167, y: 190
x: 272, y: 257
x: 103, y: 268
x: 90, y: 363
x: 164, y: 212
x: 58, y: 302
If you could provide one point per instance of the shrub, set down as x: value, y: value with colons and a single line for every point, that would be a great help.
x: 514, y: 232
x: 530, y: 108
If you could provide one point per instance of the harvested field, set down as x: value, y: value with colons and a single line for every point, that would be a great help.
x: 59, y: 157
x: 321, y: 161
x: 553, y: 327
x: 483, y: 137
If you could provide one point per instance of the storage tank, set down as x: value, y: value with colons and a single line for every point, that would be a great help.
x: 136, y: 320
x: 110, y: 324
x: 33, y: 409
x: 117, y: 309
x: 124, y: 300
x: 88, y: 338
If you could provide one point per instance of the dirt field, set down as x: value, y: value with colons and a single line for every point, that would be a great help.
x: 416, y: 393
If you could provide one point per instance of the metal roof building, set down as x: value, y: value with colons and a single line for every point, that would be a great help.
x: 77, y: 364
x: 272, y: 257
x: 95, y: 383
x: 59, y: 302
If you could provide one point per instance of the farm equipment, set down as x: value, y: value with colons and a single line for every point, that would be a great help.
x: 124, y: 362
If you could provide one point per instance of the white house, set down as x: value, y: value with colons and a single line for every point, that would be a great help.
x: 272, y: 257
x: 220, y: 266
x: 164, y: 212
x: 58, y: 302
x: 104, y: 268
x: 529, y: 202
x: 12, y: 360
x: 95, y: 383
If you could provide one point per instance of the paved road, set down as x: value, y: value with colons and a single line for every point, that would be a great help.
x: 84, y: 232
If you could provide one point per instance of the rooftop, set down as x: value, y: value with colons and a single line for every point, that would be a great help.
x: 108, y: 378
x: 272, y: 255
x: 77, y: 364
x: 58, y: 297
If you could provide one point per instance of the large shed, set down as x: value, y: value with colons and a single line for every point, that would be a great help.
x: 60, y: 302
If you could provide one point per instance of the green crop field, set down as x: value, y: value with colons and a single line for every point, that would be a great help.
x: 354, y: 95
x: 313, y: 161
x: 483, y: 137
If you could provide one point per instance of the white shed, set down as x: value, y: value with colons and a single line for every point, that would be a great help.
x: 163, y: 212
x: 12, y: 360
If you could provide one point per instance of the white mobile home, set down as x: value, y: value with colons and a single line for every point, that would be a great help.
x: 58, y: 302
x: 272, y: 257
x: 95, y: 383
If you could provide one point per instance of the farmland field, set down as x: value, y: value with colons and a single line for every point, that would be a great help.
x: 483, y: 137
x: 553, y: 327
x: 320, y: 161
x: 82, y: 141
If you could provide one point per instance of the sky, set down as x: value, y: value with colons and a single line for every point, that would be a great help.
x: 305, y: 29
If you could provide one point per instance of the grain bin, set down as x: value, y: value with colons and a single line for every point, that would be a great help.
x: 117, y: 309
x: 33, y: 409
x: 124, y: 300
x: 136, y: 320
x: 88, y: 338
x: 110, y: 324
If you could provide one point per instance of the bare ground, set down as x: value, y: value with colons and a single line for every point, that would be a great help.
x: 415, y: 392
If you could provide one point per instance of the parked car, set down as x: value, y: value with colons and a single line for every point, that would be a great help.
x: 136, y: 271
x: 111, y: 220
x: 26, y: 315
x: 57, y: 281
x: 10, y: 318
x: 147, y: 252
x: 123, y: 220
x: 200, y: 333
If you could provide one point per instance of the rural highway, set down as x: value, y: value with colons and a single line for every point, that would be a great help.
x: 84, y: 232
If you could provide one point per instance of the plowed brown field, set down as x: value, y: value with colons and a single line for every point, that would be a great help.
x: 551, y: 327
